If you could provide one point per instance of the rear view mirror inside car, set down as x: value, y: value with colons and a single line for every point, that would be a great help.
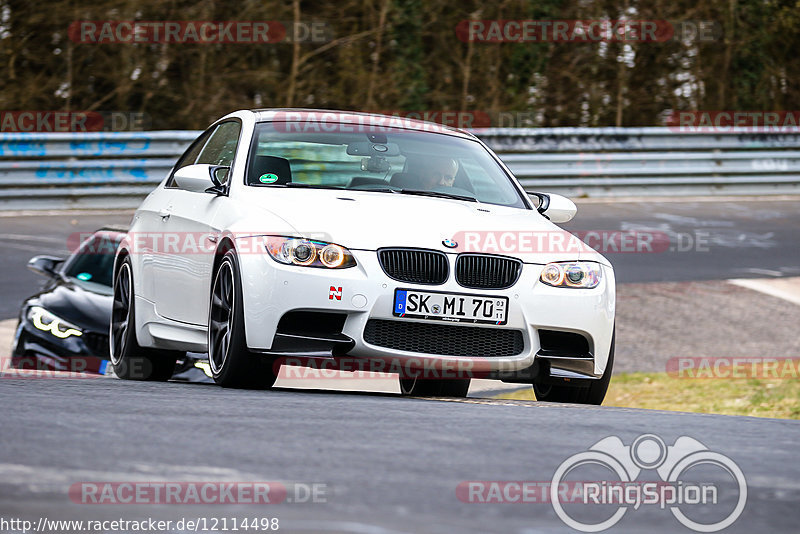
x: 375, y: 164
x: 365, y: 148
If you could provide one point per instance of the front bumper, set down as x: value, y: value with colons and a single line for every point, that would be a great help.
x: 365, y: 292
x: 38, y: 350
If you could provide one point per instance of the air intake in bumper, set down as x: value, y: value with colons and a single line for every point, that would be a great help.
x: 444, y: 339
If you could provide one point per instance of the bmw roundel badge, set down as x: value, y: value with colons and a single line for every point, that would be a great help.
x: 449, y: 243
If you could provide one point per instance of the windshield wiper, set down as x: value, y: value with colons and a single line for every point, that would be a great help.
x: 419, y: 192
x: 435, y: 194
x: 311, y: 186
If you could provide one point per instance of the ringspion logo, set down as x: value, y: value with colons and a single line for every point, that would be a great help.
x: 677, y: 465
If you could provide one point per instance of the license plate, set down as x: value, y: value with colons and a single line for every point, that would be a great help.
x: 454, y: 307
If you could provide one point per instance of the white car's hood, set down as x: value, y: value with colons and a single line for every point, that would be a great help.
x: 370, y: 220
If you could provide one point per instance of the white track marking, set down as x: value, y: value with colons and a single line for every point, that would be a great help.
x: 768, y: 272
x: 45, y: 213
x: 783, y: 288
x: 24, y: 237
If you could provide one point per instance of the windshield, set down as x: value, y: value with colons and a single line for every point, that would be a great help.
x: 394, y: 160
x: 94, y: 261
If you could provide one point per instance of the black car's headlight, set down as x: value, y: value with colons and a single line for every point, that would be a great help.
x: 576, y: 274
x: 48, y: 322
x: 307, y: 253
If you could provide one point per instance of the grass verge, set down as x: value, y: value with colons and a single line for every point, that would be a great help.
x: 758, y: 397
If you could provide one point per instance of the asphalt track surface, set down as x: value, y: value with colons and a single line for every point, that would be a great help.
x: 388, y: 464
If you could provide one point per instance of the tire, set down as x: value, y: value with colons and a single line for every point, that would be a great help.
x: 593, y: 394
x: 130, y: 361
x: 419, y: 387
x: 18, y: 352
x: 232, y: 364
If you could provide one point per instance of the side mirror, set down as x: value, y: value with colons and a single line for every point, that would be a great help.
x: 219, y: 174
x: 45, y: 265
x: 202, y: 178
x: 557, y: 208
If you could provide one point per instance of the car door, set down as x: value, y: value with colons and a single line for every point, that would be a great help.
x: 183, y: 286
x: 150, y: 224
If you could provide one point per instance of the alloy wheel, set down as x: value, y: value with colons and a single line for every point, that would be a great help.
x: 120, y: 313
x: 221, y: 320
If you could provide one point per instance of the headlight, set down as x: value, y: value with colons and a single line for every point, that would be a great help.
x: 578, y: 274
x: 47, y: 322
x: 298, y: 251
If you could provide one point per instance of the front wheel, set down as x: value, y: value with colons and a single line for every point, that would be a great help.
x: 131, y: 361
x: 594, y: 393
x: 232, y: 363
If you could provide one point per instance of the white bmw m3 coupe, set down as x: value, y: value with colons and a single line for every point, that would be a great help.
x: 361, y: 241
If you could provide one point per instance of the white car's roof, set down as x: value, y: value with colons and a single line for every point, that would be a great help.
x: 369, y: 119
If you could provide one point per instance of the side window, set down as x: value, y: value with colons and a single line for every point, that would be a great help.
x: 221, y: 147
x: 190, y: 156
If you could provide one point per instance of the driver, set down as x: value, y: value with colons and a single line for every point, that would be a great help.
x: 438, y: 172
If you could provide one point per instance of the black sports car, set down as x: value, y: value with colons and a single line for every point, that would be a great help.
x: 65, y: 326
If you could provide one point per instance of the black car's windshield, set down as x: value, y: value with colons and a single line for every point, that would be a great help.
x: 94, y: 261
x: 393, y: 160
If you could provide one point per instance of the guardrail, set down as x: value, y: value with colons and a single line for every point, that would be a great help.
x: 115, y: 170
x: 85, y: 170
x: 651, y: 161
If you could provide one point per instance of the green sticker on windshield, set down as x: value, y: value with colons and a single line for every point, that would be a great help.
x: 84, y: 276
x: 268, y: 178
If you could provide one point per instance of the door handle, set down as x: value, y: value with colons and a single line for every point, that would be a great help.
x: 165, y: 214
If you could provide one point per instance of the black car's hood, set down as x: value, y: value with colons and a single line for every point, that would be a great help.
x: 86, y: 309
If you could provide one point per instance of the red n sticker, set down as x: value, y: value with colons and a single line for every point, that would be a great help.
x: 335, y: 293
